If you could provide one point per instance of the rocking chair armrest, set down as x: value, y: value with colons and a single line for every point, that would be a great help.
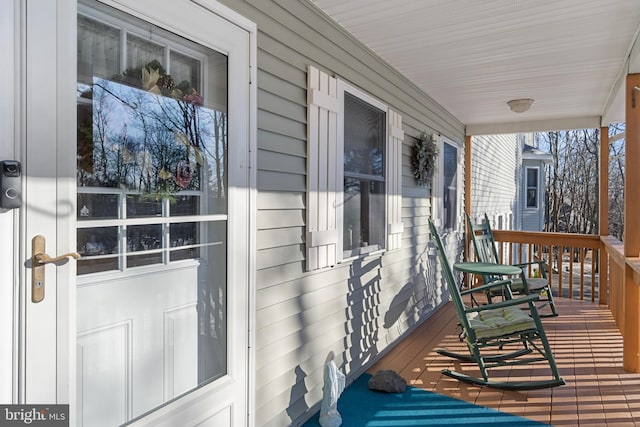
x: 505, y: 303
x: 494, y: 284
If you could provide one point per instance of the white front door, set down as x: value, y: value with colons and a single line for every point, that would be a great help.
x: 137, y: 159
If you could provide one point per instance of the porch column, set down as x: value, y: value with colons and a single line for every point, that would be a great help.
x: 467, y: 193
x: 631, y: 351
x: 603, y: 214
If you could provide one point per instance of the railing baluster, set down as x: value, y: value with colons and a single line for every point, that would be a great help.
x: 582, y: 256
x: 571, y: 251
x: 595, y: 254
x: 549, y: 260
x: 520, y: 252
x: 560, y: 275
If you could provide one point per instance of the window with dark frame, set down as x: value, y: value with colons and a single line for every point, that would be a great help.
x: 450, y: 186
x: 364, y: 177
x: 532, y: 188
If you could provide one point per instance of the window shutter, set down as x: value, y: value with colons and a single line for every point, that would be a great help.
x: 322, y: 132
x: 394, y: 180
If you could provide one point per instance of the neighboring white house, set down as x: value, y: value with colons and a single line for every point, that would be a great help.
x: 495, y: 164
x: 507, y: 181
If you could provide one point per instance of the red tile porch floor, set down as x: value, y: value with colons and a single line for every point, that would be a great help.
x: 588, y: 348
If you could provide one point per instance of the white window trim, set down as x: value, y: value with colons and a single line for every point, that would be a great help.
x: 438, y: 182
x: 526, y: 188
x: 344, y: 86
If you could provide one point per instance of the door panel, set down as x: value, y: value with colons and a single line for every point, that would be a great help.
x: 104, y: 369
x: 147, y: 327
x: 160, y: 201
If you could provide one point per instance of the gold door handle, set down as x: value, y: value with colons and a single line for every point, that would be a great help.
x: 41, y: 258
x: 38, y: 261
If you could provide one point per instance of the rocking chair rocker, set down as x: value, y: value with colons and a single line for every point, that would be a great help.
x: 499, y: 334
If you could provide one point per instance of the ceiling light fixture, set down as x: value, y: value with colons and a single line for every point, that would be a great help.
x: 520, y: 105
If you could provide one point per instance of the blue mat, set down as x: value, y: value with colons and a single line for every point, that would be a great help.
x: 361, y: 407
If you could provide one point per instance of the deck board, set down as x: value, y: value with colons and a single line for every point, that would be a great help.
x: 587, y: 345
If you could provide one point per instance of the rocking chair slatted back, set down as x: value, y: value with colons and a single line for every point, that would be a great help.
x: 499, y: 334
x: 486, y: 250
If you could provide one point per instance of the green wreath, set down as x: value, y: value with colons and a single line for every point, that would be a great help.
x: 423, y: 160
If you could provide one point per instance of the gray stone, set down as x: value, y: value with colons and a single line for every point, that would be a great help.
x: 388, y: 381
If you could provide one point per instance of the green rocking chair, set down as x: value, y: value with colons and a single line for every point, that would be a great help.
x: 485, y: 248
x: 498, y: 334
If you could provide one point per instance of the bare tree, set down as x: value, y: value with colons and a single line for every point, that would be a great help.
x: 573, y: 179
x: 616, y: 183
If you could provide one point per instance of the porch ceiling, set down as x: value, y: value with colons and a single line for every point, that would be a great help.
x: 473, y: 56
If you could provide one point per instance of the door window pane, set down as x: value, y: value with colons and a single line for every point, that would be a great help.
x: 98, y: 50
x: 185, y: 205
x: 101, y: 246
x: 185, y: 71
x: 184, y: 240
x: 141, y: 53
x: 150, y: 145
x: 140, y: 206
x: 97, y: 206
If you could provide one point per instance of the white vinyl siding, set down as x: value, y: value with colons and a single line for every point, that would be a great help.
x: 495, y: 175
x: 357, y: 309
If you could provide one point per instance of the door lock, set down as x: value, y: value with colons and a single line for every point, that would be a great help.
x: 38, y: 260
